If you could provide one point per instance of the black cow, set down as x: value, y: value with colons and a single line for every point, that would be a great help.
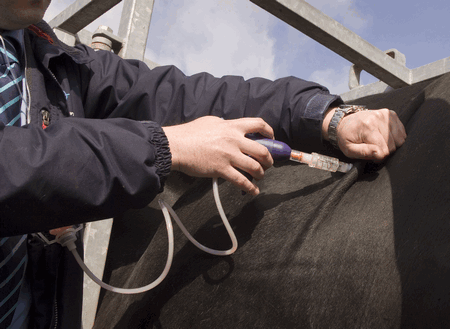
x: 369, y: 249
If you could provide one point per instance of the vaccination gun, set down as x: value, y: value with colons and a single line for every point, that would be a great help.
x: 282, y: 152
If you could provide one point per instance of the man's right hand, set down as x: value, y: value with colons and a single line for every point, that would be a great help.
x: 212, y: 147
x: 370, y: 135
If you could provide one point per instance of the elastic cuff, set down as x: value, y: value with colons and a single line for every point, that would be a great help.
x: 163, y: 158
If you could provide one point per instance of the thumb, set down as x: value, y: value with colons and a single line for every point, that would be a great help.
x: 363, y: 151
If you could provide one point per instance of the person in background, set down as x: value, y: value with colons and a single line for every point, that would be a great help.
x: 86, y: 135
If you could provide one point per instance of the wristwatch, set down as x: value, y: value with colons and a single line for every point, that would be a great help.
x: 341, y: 112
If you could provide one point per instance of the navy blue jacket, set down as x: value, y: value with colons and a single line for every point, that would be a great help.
x: 103, y: 150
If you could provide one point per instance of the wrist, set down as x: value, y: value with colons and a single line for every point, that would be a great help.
x: 170, y: 134
x: 326, y: 122
x: 335, y: 118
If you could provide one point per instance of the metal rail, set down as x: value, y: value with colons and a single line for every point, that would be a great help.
x: 333, y: 35
x: 81, y: 13
x: 388, y: 66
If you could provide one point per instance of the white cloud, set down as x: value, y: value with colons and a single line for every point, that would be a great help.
x: 336, y: 80
x: 234, y: 37
x: 221, y: 37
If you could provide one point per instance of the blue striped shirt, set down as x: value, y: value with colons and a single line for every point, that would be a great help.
x: 21, y: 313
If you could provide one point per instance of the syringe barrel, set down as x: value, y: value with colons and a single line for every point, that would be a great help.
x: 324, y: 162
x: 328, y: 163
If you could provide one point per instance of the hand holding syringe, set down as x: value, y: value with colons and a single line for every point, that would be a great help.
x: 281, y: 151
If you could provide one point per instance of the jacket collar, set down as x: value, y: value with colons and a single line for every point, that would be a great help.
x: 51, y: 47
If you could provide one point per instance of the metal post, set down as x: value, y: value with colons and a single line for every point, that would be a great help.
x: 131, y: 43
x: 134, y: 27
x: 96, y: 242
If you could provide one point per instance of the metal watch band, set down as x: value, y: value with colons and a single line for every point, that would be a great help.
x: 341, y: 112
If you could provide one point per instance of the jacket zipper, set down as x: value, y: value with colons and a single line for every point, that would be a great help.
x: 45, y: 118
x: 45, y: 113
x: 54, y: 78
x: 56, y: 313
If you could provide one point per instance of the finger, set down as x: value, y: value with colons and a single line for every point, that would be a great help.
x: 392, y: 145
x: 380, y: 138
x: 390, y: 128
x: 364, y: 151
x: 397, y: 128
x: 239, y: 180
x: 249, y: 165
x: 255, y: 125
x: 257, y: 151
x: 377, y: 147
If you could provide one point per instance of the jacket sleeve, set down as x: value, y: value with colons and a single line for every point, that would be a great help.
x: 128, y: 88
x: 78, y: 170
x: 83, y: 169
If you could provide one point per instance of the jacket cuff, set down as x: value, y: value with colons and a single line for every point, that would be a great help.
x: 314, y: 114
x: 163, y: 157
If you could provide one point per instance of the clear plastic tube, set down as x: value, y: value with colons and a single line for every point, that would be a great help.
x: 67, y: 239
x: 224, y: 220
x: 71, y: 246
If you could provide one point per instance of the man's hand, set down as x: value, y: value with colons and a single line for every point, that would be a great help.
x: 370, y: 135
x: 212, y: 147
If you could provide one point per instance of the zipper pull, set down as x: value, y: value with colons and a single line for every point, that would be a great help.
x: 45, y: 118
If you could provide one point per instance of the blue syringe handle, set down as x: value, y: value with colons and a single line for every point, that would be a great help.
x: 280, y: 151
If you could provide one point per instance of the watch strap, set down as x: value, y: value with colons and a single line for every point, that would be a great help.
x: 340, y: 113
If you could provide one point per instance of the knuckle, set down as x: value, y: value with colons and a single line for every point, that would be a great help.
x: 260, y: 121
x: 381, y: 114
x: 265, y: 154
x: 393, y: 113
x: 241, y: 181
x: 370, y: 121
x: 364, y: 154
x: 255, y: 167
x: 263, y: 125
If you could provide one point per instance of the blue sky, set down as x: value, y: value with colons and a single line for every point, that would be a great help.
x: 237, y: 37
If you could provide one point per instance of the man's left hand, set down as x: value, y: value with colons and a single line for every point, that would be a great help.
x: 371, y: 135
